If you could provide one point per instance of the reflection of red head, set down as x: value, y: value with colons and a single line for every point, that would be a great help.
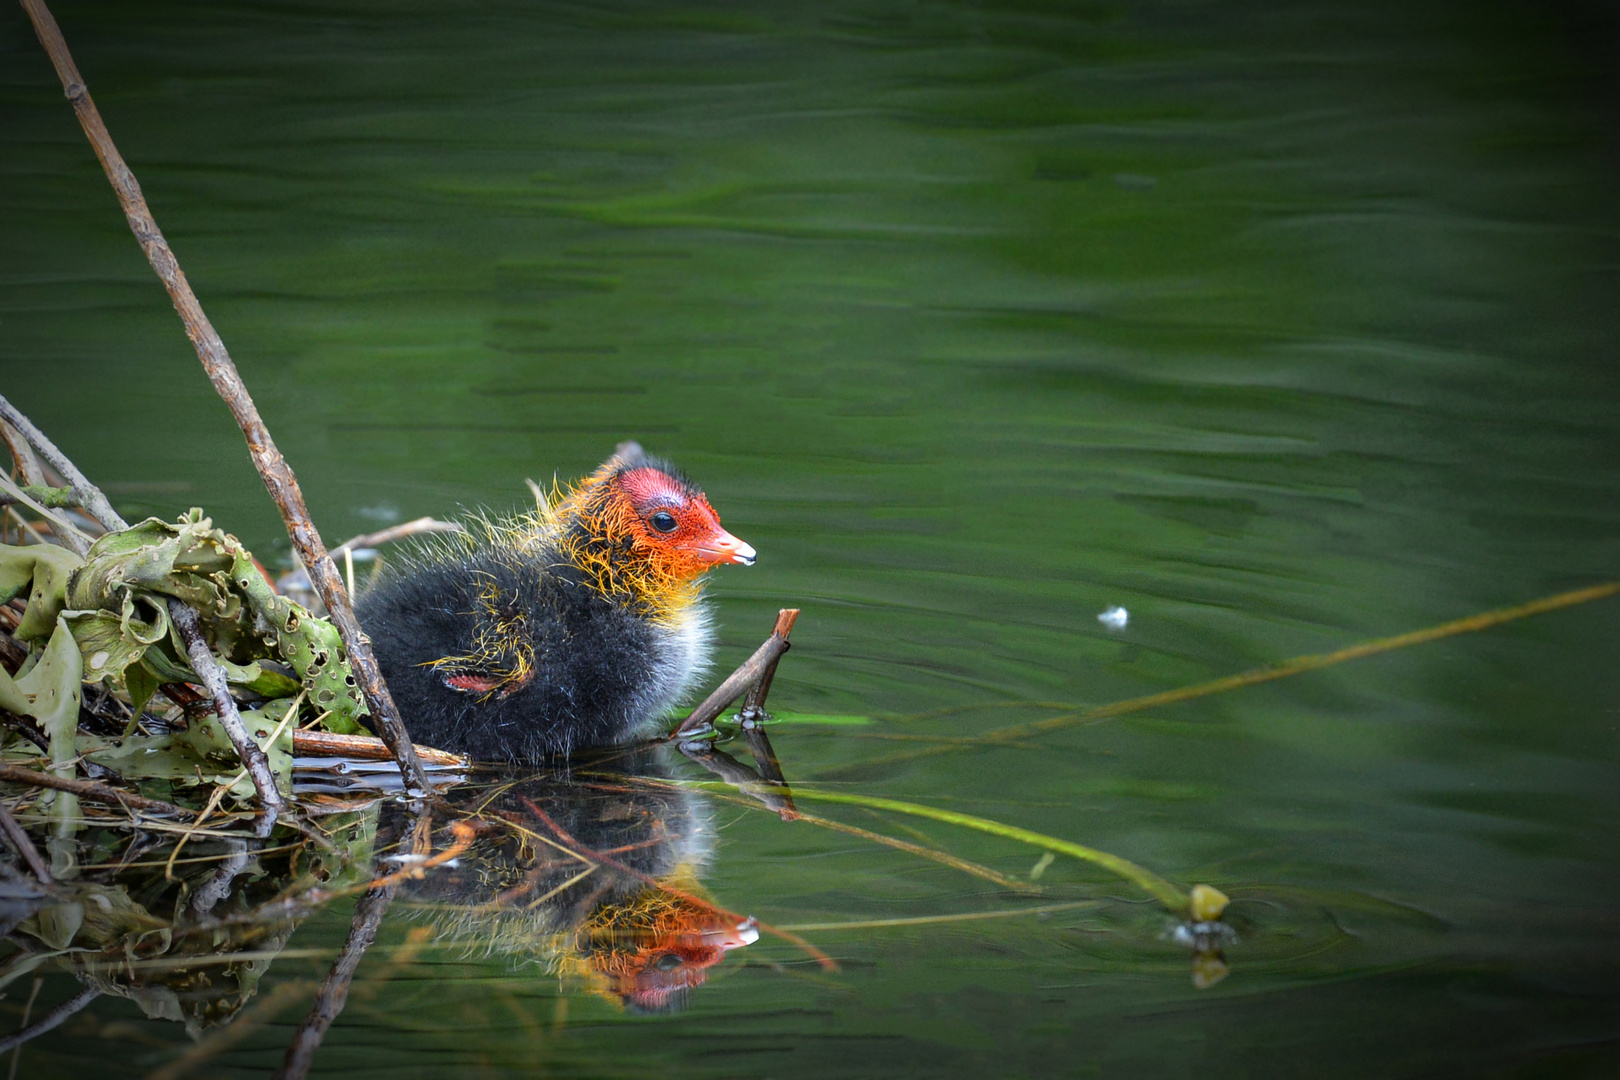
x: 659, y: 945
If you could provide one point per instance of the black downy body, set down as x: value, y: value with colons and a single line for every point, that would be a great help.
x: 596, y: 664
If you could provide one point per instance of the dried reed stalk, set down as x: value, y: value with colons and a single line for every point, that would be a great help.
x: 273, y: 468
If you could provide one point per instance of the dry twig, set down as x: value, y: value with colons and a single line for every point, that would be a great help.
x: 418, y: 527
x: 89, y: 789
x: 365, y: 747
x: 184, y: 616
x: 253, y: 758
x: 22, y: 455
x: 755, y: 670
x: 273, y: 468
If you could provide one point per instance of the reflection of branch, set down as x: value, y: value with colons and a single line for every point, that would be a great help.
x: 334, y: 992
x: 755, y: 670
x: 759, y: 745
x: 51, y: 1019
x: 221, y: 1039
x: 273, y: 468
x: 25, y: 847
x: 368, y: 915
x: 218, y: 885
x: 773, y: 793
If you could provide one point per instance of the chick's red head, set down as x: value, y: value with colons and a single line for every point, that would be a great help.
x: 670, y: 523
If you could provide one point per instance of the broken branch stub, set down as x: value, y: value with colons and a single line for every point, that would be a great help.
x: 749, y: 674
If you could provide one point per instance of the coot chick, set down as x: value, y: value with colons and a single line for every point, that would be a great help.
x: 575, y: 625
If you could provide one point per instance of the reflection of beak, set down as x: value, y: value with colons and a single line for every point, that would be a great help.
x: 725, y: 548
x: 732, y: 937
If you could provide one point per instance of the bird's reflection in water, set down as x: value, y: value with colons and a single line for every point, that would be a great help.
x: 592, y: 871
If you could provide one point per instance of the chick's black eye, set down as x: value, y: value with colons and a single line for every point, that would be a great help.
x: 663, y: 521
x: 667, y: 962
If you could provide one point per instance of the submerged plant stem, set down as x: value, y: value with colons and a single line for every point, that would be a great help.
x: 1299, y: 664
x: 89, y: 789
x: 935, y: 920
x: 1167, y: 894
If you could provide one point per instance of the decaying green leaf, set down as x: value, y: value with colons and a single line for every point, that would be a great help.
x: 201, y: 753
x: 44, y: 571
x: 117, y: 605
x: 105, y: 618
x: 49, y: 693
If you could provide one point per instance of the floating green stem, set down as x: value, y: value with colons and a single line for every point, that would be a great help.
x: 1166, y: 893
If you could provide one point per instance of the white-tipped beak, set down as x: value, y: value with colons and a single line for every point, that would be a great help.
x: 744, y: 933
x: 725, y: 548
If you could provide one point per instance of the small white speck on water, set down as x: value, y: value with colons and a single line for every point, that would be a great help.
x: 1115, y: 618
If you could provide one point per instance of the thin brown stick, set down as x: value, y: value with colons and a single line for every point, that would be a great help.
x: 334, y: 992
x: 184, y: 616
x: 273, y: 468
x: 25, y: 847
x: 754, y: 703
x: 397, y: 532
x: 213, y: 677
x: 89, y: 789
x: 22, y: 455
x: 746, y: 676
x: 365, y: 747
x: 90, y: 497
x: 765, y: 759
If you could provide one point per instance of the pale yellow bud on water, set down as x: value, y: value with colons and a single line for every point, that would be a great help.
x: 1206, y: 903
